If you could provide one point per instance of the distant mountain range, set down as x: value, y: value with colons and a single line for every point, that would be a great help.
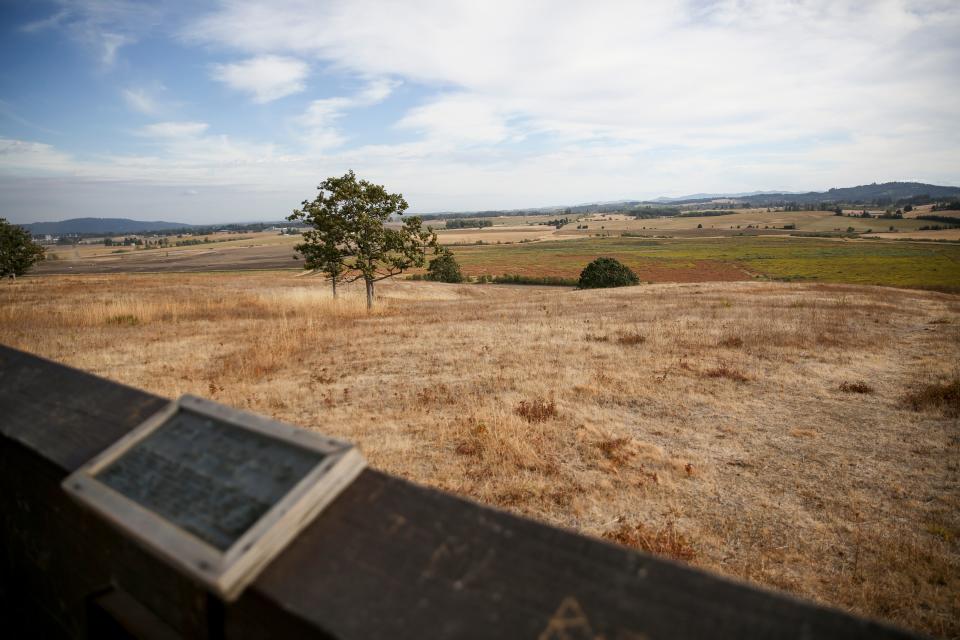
x: 867, y: 194
x: 872, y: 194
x: 717, y: 196
x: 100, y: 225
x: 884, y: 193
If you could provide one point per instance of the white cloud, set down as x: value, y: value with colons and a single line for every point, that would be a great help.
x: 24, y: 157
x: 552, y: 102
x: 321, y: 116
x: 173, y: 129
x: 662, y: 73
x: 109, y: 44
x: 140, y: 100
x: 102, y: 26
x: 458, y: 119
x: 266, y: 78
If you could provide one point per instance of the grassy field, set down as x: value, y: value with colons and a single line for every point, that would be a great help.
x: 862, y: 261
x: 816, y: 221
x: 903, y: 264
x: 768, y: 431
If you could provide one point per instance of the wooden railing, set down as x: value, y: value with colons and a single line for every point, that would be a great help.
x: 387, y: 559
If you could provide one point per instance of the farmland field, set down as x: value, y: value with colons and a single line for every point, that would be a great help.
x: 774, y: 432
x: 861, y: 261
x: 930, y: 265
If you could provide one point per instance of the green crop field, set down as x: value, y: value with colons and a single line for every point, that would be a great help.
x: 883, y: 262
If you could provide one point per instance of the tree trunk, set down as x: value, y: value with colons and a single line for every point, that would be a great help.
x: 369, y: 294
x: 333, y: 281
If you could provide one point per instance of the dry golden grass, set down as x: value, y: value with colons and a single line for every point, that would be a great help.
x: 701, y: 421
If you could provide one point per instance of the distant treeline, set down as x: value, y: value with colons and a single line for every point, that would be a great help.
x: 65, y: 238
x: 481, y: 214
x: 947, y: 206
x: 944, y: 219
x: 468, y: 223
x: 705, y: 214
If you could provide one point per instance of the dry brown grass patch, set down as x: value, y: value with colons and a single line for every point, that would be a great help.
x: 764, y: 477
x: 664, y: 541
x: 617, y: 450
x: 631, y: 339
x: 536, y: 410
x: 941, y: 397
x: 731, y: 342
x: 723, y: 370
x: 856, y: 387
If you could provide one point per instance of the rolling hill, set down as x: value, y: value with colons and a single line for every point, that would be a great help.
x: 100, y: 225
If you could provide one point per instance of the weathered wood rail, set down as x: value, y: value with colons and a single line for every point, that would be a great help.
x: 388, y: 559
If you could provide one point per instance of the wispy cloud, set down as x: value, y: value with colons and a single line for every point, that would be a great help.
x: 140, y: 100
x: 102, y: 26
x: 265, y: 78
x: 319, y: 121
x: 173, y: 129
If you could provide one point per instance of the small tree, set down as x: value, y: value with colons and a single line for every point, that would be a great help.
x: 323, y: 246
x: 606, y: 272
x: 444, y: 268
x: 18, y: 251
x: 350, y: 239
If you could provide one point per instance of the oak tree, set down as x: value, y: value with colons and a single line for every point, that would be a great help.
x: 353, y: 237
x: 18, y: 251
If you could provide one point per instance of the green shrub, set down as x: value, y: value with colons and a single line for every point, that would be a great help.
x: 606, y: 272
x: 444, y: 268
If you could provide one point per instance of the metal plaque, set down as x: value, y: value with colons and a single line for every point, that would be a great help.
x: 217, y: 491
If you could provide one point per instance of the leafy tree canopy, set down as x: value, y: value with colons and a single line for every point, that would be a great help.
x: 444, y: 268
x: 18, y: 251
x: 606, y: 272
x: 352, y: 236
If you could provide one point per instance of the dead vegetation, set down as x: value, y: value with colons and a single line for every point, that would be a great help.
x: 719, y: 438
x: 536, y: 410
x: 662, y: 541
x: 723, y: 370
x: 856, y: 387
x: 938, y: 397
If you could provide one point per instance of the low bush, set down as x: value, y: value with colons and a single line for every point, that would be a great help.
x: 444, y: 268
x: 606, y: 272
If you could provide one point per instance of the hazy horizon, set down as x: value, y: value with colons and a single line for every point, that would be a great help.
x: 234, y: 111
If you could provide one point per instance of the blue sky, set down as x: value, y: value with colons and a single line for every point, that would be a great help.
x: 223, y: 111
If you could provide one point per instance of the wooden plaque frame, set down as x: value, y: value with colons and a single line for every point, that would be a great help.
x: 224, y: 572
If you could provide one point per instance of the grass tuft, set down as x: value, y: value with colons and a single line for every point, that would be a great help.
x: 728, y: 372
x: 631, y: 339
x: 536, y: 410
x: 665, y: 541
x: 731, y: 342
x: 123, y: 320
x: 856, y: 387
